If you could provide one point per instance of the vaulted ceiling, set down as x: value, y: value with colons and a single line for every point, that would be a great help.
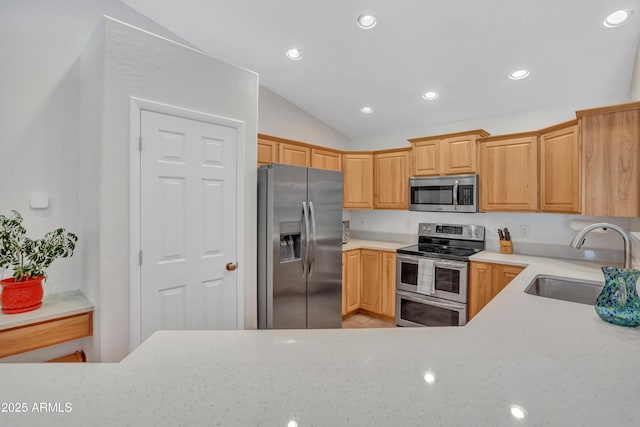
x: 463, y: 50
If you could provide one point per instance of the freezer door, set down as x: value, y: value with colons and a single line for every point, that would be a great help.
x: 282, y: 289
x: 324, y: 282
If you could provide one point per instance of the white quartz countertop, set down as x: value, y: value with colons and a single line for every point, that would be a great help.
x: 53, y: 306
x: 557, y: 360
x: 373, y: 244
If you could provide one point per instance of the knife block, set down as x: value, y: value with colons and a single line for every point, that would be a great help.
x: 506, y: 247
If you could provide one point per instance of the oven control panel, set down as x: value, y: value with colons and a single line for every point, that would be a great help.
x: 453, y: 231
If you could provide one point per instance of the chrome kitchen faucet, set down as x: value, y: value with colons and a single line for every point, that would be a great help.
x: 579, y: 238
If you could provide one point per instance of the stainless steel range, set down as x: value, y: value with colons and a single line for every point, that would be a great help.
x: 431, y: 277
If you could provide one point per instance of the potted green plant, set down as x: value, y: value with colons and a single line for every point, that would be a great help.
x: 29, y: 260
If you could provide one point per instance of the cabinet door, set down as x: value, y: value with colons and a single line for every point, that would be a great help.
x: 267, y: 152
x: 324, y: 159
x: 358, y: 181
x: 391, y: 186
x: 353, y: 271
x: 344, y: 283
x: 502, y: 275
x: 509, y: 174
x: 611, y: 162
x: 296, y: 155
x: 560, y: 171
x: 480, y: 286
x: 371, y: 291
x: 426, y: 158
x: 389, y: 284
x: 459, y: 155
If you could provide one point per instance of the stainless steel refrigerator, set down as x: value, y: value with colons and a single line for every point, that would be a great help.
x: 299, y: 247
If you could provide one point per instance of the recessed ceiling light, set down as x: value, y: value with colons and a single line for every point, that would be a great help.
x: 292, y: 423
x: 366, y: 110
x: 429, y: 377
x: 366, y: 21
x: 294, y: 54
x: 518, y: 412
x: 519, y: 74
x: 430, y: 96
x: 617, y: 18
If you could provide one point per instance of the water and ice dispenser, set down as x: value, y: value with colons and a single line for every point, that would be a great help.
x: 290, y: 241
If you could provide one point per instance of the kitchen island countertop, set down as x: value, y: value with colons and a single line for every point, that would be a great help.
x: 557, y: 360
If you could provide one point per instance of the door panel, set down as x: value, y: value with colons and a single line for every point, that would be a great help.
x: 188, y: 224
x: 324, y: 284
x: 287, y: 293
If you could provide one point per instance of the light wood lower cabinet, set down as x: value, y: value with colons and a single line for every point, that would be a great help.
x: 389, y: 284
x: 369, y: 282
x: 352, y: 280
x: 370, y: 293
x: 486, y: 280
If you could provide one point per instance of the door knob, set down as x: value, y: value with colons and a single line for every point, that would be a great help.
x: 231, y: 266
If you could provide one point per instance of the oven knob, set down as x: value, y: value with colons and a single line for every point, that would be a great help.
x: 428, y: 229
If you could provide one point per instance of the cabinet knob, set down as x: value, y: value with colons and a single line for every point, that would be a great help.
x: 231, y: 266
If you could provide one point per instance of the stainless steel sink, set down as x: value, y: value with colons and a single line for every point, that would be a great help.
x: 581, y: 291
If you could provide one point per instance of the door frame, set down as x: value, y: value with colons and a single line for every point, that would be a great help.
x: 135, y: 276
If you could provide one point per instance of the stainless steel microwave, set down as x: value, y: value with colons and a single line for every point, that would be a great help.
x: 444, y: 193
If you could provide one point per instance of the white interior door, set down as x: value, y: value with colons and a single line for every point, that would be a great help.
x: 188, y: 224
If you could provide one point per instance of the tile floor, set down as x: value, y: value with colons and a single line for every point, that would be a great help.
x: 363, y: 321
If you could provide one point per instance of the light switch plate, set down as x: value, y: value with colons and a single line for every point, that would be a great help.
x: 39, y: 201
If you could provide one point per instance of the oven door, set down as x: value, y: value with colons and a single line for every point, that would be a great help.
x: 421, y: 310
x: 450, y: 277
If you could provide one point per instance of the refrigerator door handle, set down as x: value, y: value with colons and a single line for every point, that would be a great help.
x: 313, y: 236
x: 305, y: 215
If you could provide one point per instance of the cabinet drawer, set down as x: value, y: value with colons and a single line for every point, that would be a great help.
x: 37, y: 335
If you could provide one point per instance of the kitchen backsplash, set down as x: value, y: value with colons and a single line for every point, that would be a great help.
x: 532, y: 233
x: 635, y: 250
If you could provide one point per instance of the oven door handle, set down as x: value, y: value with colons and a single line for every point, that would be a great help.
x: 430, y: 301
x: 450, y: 264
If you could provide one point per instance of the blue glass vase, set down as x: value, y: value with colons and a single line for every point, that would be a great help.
x: 618, y: 303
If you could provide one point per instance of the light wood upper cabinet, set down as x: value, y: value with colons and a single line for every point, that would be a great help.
x: 509, y: 173
x: 267, y: 152
x: 459, y: 155
x: 451, y: 154
x: 560, y: 187
x: 610, y: 140
x: 426, y: 158
x: 388, y: 284
x: 357, y: 180
x: 486, y: 280
x: 326, y: 159
x: 371, y: 287
x: 352, y: 280
x: 296, y: 155
x: 391, y: 185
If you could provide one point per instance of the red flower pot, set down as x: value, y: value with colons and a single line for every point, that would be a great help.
x: 18, y: 297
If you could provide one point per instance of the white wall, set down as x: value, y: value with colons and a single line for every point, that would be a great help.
x: 142, y: 65
x: 39, y: 110
x: 635, y: 79
x: 518, y: 121
x: 279, y: 117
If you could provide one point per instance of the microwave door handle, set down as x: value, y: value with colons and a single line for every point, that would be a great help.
x: 455, y: 194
